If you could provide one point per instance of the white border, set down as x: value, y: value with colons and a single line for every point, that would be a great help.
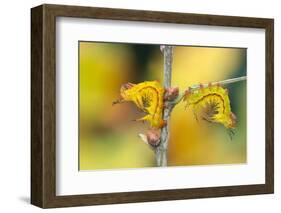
x: 70, y: 181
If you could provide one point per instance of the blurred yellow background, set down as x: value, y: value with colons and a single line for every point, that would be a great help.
x: 109, y: 137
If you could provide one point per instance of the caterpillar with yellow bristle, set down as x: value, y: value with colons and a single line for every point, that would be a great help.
x: 211, y: 103
x: 148, y: 96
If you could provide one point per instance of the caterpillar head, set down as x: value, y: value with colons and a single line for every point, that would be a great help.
x: 125, y: 91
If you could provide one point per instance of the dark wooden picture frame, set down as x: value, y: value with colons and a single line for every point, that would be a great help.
x: 43, y: 105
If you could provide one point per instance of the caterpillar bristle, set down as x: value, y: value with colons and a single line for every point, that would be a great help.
x: 231, y: 133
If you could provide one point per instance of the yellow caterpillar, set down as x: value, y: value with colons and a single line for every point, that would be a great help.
x: 212, y: 104
x: 149, y: 97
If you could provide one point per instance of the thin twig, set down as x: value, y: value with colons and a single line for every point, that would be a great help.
x: 224, y: 82
x: 198, y: 86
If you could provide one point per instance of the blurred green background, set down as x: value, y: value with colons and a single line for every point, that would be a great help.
x: 108, y: 136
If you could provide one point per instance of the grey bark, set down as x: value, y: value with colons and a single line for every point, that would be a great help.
x: 161, y: 150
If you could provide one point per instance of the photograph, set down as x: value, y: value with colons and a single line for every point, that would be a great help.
x: 138, y: 105
x: 129, y: 118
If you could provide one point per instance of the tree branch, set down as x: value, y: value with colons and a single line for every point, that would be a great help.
x: 223, y: 82
x: 197, y: 86
x: 161, y: 150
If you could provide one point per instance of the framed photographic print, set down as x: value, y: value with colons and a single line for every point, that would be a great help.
x: 136, y: 106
